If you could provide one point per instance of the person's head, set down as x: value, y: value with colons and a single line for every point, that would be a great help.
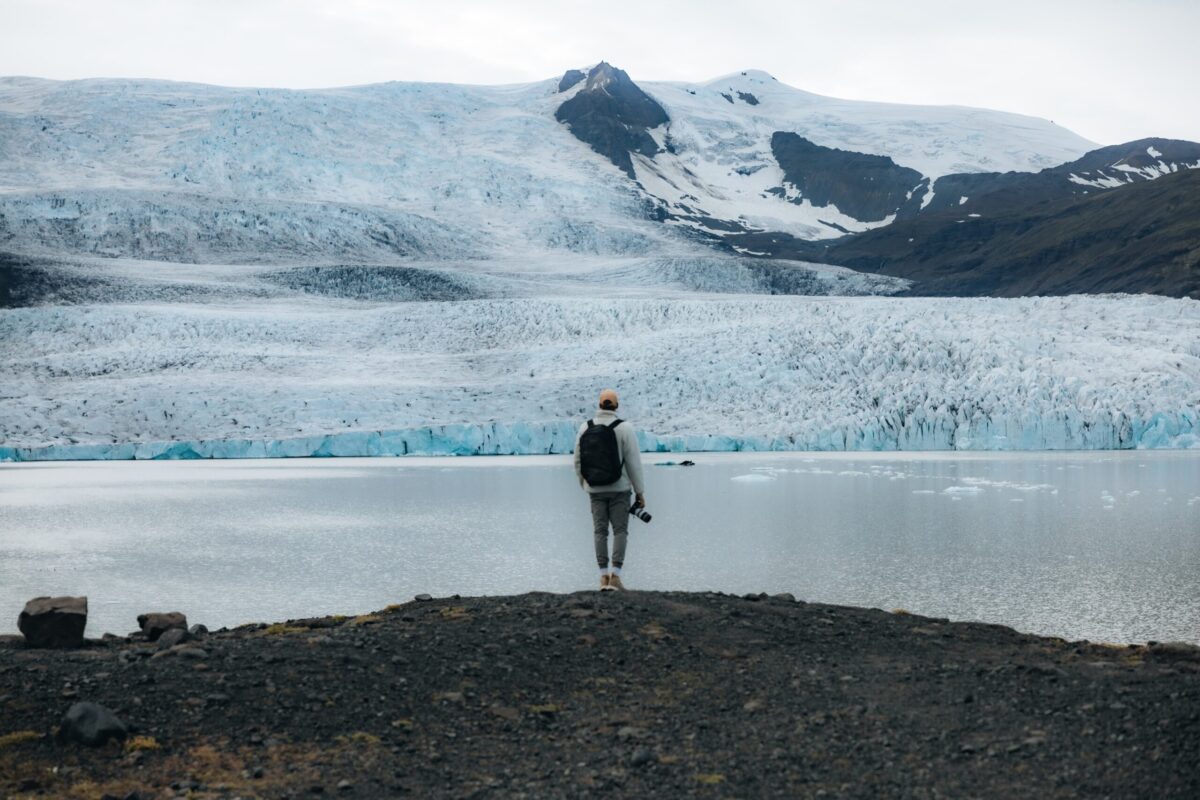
x: 608, y: 400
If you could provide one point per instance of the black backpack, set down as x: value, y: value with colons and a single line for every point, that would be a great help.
x: 599, y: 456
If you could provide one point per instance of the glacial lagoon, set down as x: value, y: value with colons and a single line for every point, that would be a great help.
x: 1102, y: 546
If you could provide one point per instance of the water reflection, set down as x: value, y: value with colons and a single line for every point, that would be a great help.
x: 1101, y: 546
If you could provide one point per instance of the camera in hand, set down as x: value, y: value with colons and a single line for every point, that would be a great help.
x: 641, y: 513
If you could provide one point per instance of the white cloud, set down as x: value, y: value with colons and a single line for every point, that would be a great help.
x: 1110, y: 70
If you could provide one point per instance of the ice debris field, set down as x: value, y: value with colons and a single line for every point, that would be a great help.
x: 515, y: 376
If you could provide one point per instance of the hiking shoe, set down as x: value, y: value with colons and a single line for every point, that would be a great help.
x: 604, y: 580
x: 614, y: 582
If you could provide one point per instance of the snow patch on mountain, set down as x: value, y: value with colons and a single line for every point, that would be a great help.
x: 718, y: 161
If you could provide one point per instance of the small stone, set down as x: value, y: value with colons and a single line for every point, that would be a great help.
x: 156, y: 624
x: 56, y: 622
x: 786, y: 597
x: 752, y: 705
x: 344, y: 785
x: 194, y: 653
x: 257, y: 773
x: 423, y: 598
x: 505, y: 712
x: 641, y: 757
x: 91, y: 724
x: 631, y: 732
x: 316, y: 788
x: 197, y: 631
x: 171, y: 637
x: 753, y: 598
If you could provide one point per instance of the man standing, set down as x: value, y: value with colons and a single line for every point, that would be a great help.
x: 608, y: 464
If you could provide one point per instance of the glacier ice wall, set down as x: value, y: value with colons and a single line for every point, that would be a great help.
x: 696, y: 372
x: 1060, y: 432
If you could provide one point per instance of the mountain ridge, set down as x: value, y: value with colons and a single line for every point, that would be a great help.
x: 590, y: 164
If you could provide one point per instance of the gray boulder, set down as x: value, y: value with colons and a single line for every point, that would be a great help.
x: 91, y: 724
x: 54, y: 621
x: 154, y: 625
x: 171, y: 637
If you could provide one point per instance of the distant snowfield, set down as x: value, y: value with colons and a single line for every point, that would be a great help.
x: 321, y: 376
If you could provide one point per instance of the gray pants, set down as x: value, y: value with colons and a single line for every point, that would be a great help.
x: 610, y: 507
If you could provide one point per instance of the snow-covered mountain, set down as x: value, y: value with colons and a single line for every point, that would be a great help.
x: 193, y: 271
x: 719, y: 161
x: 189, y: 172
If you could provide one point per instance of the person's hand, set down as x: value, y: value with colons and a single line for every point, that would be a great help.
x: 639, y: 499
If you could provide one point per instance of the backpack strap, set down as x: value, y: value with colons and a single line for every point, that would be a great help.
x: 615, y: 424
x: 590, y: 423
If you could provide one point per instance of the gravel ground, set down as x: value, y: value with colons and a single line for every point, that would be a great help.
x: 622, y: 694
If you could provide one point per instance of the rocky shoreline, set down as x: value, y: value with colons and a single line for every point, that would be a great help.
x: 593, y: 694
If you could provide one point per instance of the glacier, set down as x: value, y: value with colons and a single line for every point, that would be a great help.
x: 203, y: 272
x: 697, y: 372
x: 205, y: 174
x: 1059, y: 432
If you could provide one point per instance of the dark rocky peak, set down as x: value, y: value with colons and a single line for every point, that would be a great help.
x: 867, y: 187
x: 634, y: 106
x: 613, y: 115
x: 570, y: 78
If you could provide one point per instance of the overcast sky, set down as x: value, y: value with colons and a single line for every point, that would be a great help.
x: 1111, y: 70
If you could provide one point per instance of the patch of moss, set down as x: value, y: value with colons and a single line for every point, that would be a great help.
x: 142, y: 743
x: 358, y: 737
x: 280, y: 629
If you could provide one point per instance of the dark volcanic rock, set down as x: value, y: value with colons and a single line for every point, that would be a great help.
x: 156, y: 624
x: 1140, y: 238
x: 631, y: 694
x: 54, y: 621
x: 570, y: 78
x: 1113, y: 167
x: 91, y: 724
x: 613, y: 115
x: 171, y: 637
x: 864, y: 186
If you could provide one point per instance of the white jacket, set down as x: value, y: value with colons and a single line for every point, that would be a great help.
x: 631, y: 473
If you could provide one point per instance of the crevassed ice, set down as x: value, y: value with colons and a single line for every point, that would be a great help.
x: 513, y: 376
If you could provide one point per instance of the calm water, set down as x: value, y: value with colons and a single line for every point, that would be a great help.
x: 1100, y: 546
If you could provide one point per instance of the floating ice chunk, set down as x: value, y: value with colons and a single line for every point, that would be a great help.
x: 961, y: 490
x: 924, y: 491
x: 753, y: 477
